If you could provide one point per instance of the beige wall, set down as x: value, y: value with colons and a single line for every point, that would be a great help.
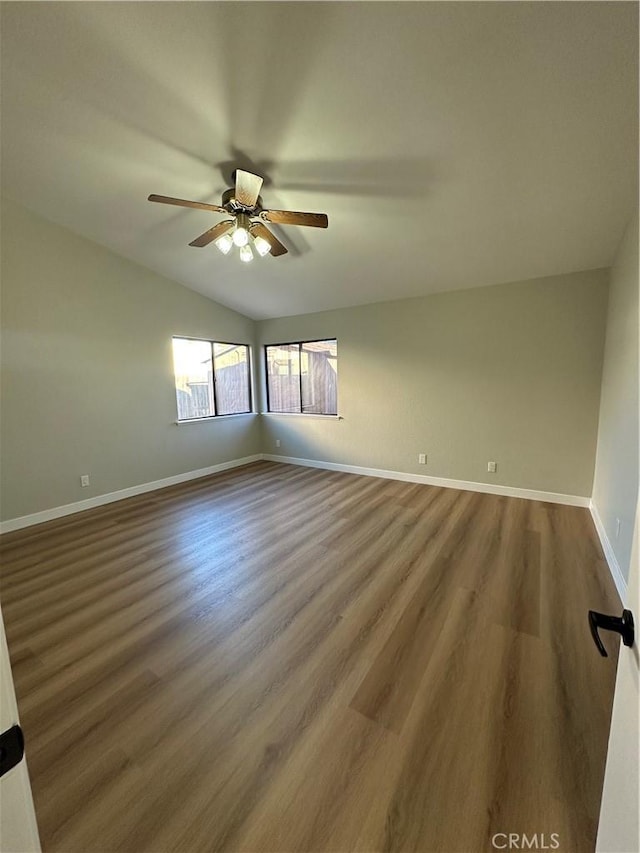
x: 87, y: 376
x: 509, y: 373
x: 615, y: 488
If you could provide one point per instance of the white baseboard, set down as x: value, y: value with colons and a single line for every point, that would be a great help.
x: 612, y: 562
x: 465, y: 485
x: 110, y: 497
x: 487, y: 488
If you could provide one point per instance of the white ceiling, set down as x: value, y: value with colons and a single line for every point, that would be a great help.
x: 451, y: 144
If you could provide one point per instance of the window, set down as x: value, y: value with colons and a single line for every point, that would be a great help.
x: 211, y: 378
x: 302, y: 378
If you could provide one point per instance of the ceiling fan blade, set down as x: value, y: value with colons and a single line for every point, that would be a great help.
x: 213, y: 233
x: 182, y: 202
x: 260, y: 230
x: 248, y: 187
x: 291, y: 217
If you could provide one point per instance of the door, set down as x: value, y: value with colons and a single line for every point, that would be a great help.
x: 618, y: 831
x: 18, y: 828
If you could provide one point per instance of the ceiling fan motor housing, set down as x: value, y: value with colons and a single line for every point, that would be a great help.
x: 229, y: 202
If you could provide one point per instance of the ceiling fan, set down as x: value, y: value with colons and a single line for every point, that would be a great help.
x: 244, y: 205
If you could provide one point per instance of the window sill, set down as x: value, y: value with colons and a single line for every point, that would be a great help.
x: 213, y: 418
x: 303, y: 415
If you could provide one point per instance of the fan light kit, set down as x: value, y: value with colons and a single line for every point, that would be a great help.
x: 244, y: 205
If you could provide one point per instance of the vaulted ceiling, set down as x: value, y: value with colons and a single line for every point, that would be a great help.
x: 452, y: 144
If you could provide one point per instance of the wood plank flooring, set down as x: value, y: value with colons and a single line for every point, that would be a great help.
x: 289, y: 659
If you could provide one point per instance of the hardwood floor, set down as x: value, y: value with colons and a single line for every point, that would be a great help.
x: 289, y: 659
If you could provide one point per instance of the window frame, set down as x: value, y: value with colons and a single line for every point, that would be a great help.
x: 212, y: 342
x: 299, y: 344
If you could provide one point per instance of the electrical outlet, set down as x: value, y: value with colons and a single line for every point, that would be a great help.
x: 84, y: 480
x: 422, y: 458
x: 492, y: 467
x: 618, y: 525
x: 277, y: 442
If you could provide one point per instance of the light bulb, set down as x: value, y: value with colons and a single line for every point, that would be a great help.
x: 225, y: 243
x: 246, y: 254
x: 241, y: 234
x: 240, y: 237
x: 262, y: 247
